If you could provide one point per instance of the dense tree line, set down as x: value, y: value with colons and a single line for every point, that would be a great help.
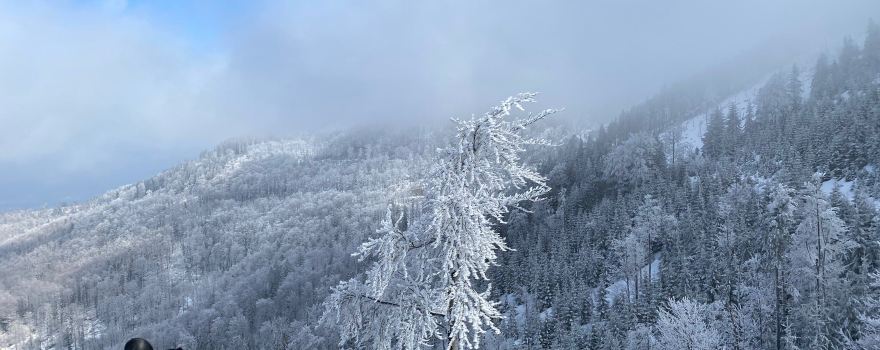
x: 763, y: 237
x: 235, y: 250
x: 745, y: 243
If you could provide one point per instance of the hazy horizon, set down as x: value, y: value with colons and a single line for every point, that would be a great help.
x: 103, y: 93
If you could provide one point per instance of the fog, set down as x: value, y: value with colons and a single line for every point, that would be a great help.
x: 98, y: 94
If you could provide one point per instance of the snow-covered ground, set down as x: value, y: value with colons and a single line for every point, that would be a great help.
x: 847, y: 187
x: 619, y: 287
x: 692, y: 130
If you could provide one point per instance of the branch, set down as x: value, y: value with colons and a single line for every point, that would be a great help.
x: 389, y: 303
x: 522, y: 124
x: 413, y: 245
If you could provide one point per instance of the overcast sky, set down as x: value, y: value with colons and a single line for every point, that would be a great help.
x: 96, y: 94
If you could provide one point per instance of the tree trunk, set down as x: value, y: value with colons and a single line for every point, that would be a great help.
x: 820, y: 257
x: 453, y: 341
x: 778, y: 312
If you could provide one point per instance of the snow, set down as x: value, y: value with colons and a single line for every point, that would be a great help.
x: 520, y: 308
x: 520, y: 314
x: 615, y: 289
x: 846, y: 187
x: 546, y: 314
x: 297, y: 148
x: 619, y: 287
x: 480, y: 179
x: 655, y: 268
x: 761, y: 183
x: 187, y: 304
x: 806, y: 78
x: 694, y: 128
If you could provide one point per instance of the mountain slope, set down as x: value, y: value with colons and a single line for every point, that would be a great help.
x: 254, y: 231
x: 756, y: 246
x: 238, y: 248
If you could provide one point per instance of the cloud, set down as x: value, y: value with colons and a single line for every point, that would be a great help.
x: 88, y: 90
x: 85, y: 80
x: 84, y: 83
x: 302, y: 64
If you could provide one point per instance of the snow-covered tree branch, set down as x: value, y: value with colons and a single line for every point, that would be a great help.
x: 430, y: 261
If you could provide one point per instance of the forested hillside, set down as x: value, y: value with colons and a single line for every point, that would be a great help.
x: 232, y: 250
x: 754, y: 225
x: 765, y: 237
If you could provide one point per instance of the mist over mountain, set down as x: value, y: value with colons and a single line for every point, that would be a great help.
x: 102, y: 93
x: 732, y: 202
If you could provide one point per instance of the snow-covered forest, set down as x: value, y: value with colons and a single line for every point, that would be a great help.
x: 739, y: 218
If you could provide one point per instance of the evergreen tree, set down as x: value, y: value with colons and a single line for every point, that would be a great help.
x: 781, y: 210
x: 714, y: 140
x: 733, y: 130
x: 871, y: 48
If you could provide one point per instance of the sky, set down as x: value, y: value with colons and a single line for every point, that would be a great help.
x: 98, y: 94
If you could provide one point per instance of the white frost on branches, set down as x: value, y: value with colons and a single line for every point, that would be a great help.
x: 632, y: 161
x: 688, y: 325
x: 428, y: 258
x: 870, y: 316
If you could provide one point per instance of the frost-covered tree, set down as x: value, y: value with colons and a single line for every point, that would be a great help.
x: 631, y: 251
x: 239, y: 247
x: 430, y: 263
x: 732, y: 130
x: 781, y: 210
x: 633, y: 160
x: 639, y: 338
x: 870, y: 317
x: 714, y: 139
x: 819, y: 247
x: 634, y: 249
x: 688, y: 325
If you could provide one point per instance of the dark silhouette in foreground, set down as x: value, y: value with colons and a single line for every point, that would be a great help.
x: 141, y: 344
x: 138, y: 344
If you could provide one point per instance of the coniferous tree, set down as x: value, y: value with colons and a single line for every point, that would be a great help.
x: 714, y: 140
x: 733, y: 130
x: 426, y: 271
